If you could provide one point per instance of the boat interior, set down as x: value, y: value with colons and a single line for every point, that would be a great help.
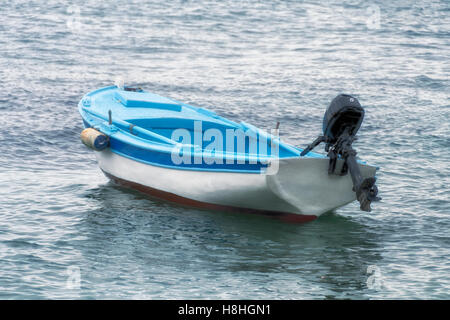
x: 161, y: 120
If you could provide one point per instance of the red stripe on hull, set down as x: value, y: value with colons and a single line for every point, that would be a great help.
x: 284, y: 216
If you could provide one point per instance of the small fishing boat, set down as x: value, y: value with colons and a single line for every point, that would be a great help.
x: 192, y: 156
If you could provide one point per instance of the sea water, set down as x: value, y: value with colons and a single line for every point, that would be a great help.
x: 66, y: 232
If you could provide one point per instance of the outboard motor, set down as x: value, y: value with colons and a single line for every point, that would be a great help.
x: 341, y: 122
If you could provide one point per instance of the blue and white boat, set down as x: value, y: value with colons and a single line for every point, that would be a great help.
x: 192, y: 156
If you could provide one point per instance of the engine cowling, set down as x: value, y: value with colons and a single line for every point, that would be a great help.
x: 344, y: 112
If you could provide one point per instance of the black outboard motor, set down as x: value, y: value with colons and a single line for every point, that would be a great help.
x: 341, y: 122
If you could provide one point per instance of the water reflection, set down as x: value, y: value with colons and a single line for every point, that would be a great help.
x: 156, y: 238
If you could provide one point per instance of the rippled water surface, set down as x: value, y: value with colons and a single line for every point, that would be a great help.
x: 66, y: 232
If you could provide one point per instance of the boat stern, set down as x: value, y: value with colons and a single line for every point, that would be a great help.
x: 306, y: 185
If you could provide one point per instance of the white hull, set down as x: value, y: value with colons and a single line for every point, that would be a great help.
x: 301, y: 186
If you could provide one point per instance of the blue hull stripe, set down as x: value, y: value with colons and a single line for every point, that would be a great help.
x: 164, y: 159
